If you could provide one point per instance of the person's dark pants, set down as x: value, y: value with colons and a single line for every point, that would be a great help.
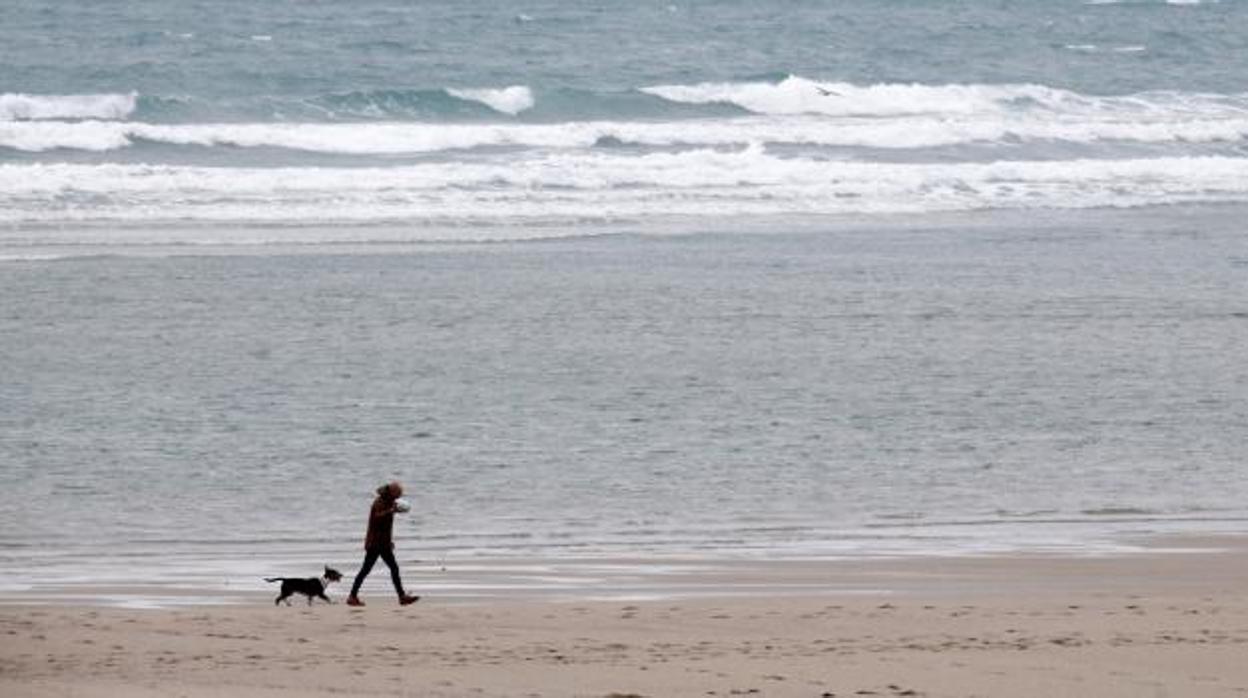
x: 370, y: 557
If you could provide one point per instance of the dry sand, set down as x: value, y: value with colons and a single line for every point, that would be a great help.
x: 1146, y: 625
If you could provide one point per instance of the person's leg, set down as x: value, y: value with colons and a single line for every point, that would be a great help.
x: 387, y: 556
x: 404, y: 597
x: 370, y: 557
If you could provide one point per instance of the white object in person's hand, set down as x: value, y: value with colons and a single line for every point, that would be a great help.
x: 401, y: 506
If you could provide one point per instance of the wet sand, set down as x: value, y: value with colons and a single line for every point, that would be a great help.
x: 1154, y: 624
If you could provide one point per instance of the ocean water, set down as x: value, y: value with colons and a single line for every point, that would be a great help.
x: 649, y: 280
x: 232, y: 122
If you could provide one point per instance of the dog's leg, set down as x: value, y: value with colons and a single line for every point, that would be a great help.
x: 323, y: 596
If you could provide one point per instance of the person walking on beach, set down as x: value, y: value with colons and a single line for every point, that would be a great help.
x: 379, y: 543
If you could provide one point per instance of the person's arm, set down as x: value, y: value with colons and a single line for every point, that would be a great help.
x: 380, y: 510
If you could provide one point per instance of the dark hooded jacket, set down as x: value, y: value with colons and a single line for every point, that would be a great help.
x: 380, y: 535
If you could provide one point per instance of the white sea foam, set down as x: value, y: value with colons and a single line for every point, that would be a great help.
x: 570, y: 186
x: 38, y: 136
x: 31, y: 257
x: 798, y: 95
x: 1148, y: 123
x: 1095, y: 48
x: 508, y: 100
x: 795, y: 111
x: 99, y: 106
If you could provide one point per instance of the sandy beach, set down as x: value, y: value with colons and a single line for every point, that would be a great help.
x: 1167, y: 623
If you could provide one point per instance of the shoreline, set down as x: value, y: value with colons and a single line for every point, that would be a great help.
x: 395, y: 237
x: 1189, y: 560
x: 1166, y: 623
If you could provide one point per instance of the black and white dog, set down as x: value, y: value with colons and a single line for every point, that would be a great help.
x: 311, y: 587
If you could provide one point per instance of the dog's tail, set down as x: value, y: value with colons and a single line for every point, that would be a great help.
x: 274, y: 579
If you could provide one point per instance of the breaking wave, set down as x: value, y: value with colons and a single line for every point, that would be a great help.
x: 798, y: 95
x: 508, y: 100
x: 18, y: 106
x: 786, y: 146
x: 595, y: 185
x: 792, y: 110
x: 412, y: 138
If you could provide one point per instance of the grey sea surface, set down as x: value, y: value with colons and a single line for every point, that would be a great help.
x: 966, y: 385
x: 164, y: 122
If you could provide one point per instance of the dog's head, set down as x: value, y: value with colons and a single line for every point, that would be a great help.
x: 331, y: 574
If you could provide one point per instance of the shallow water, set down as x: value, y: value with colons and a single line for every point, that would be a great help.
x: 971, y: 387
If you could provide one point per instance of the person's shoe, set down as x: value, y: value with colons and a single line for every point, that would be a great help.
x: 408, y: 599
x: 354, y: 601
